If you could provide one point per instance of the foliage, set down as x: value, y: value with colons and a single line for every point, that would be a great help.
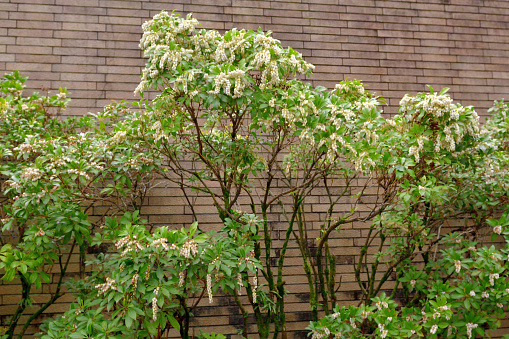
x: 453, y: 285
x: 169, y: 270
x: 53, y: 172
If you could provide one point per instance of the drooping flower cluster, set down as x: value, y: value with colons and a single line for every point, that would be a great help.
x: 209, y: 288
x: 128, y: 244
x: 470, y: 327
x: 161, y: 242
x: 383, y: 331
x: 223, y: 81
x: 31, y: 174
x: 109, y: 284
x: 188, y: 249
x: 154, y: 304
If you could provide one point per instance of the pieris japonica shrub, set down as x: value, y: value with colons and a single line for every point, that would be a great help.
x: 230, y: 113
x: 446, y: 281
x: 53, y: 172
x: 155, y: 280
x: 461, y: 294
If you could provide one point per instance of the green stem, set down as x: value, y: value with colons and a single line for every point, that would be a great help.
x: 63, y: 270
x: 25, y: 297
x: 280, y: 283
x: 244, y: 313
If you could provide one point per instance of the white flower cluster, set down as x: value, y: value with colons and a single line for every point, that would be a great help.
x: 470, y: 327
x: 317, y: 335
x: 182, y: 277
x: 154, y: 304
x: 381, y: 305
x: 40, y: 232
x: 134, y: 281
x: 407, y: 103
x: 160, y: 242
x: 79, y: 173
x: 345, y: 113
x: 433, y: 329
x: 128, y: 244
x: 119, y: 137
x: 272, y: 71
x: 416, y: 150
x: 61, y: 161
x: 263, y: 58
x: 436, y: 105
x: 238, y: 43
x: 362, y: 161
x: 336, y: 142
x: 109, y: 284
x: 222, y: 80
x: 205, y: 40
x: 383, y: 331
x: 14, y: 184
x: 25, y: 148
x: 493, y: 277
x: 189, y: 248
x: 497, y: 229
x: 255, y: 288
x: 350, y: 88
x: 209, y: 288
x: 159, y: 32
x: 31, y: 174
x: 441, y: 106
x: 457, y: 265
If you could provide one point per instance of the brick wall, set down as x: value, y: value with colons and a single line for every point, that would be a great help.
x: 395, y: 47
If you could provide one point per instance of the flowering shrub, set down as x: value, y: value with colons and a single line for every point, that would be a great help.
x: 449, y: 284
x: 53, y: 172
x: 169, y: 270
x: 460, y: 295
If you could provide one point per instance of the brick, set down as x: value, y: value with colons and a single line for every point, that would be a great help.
x: 73, y: 35
x: 39, y: 8
x: 82, y: 8
x: 120, y: 36
x: 38, y: 41
x: 77, y: 18
x: 79, y: 26
x: 74, y: 51
x: 121, y: 20
x: 29, y: 49
x: 439, y: 58
x: 91, y: 3
x: 8, y: 7
x: 120, y: 4
x: 29, y: 67
x: 69, y: 68
x: 77, y: 60
x: 21, y: 16
x: 83, y: 77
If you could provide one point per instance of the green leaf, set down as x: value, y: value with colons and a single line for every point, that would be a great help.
x: 173, y: 322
